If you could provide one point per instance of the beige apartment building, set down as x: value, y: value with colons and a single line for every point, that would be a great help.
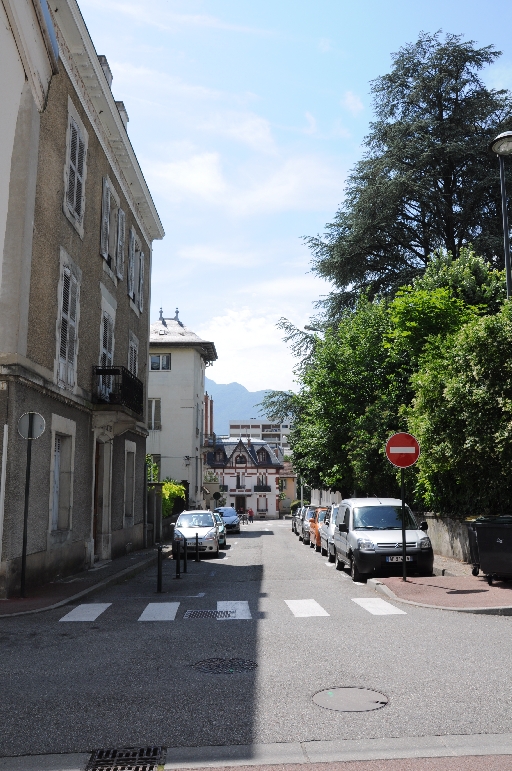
x: 75, y: 258
x: 176, y: 412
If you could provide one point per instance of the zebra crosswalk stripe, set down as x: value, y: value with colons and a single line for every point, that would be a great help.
x: 306, y: 608
x: 378, y: 607
x: 241, y: 610
x: 159, y: 611
x: 86, y: 612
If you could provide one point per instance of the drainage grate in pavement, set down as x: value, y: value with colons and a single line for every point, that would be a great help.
x: 128, y: 759
x: 350, y: 699
x: 225, y: 666
x: 210, y: 614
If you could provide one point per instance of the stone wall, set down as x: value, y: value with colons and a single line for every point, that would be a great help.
x: 449, y: 536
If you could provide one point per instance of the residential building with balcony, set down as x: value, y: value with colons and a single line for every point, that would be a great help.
x: 275, y: 434
x: 79, y: 223
x: 176, y: 404
x: 248, y: 473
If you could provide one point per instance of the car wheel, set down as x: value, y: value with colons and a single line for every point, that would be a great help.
x: 354, y: 572
x: 311, y: 544
x: 300, y: 537
x: 323, y: 551
x: 339, y: 564
x: 330, y: 555
x: 317, y: 547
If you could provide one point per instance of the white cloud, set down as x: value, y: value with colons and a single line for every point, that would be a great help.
x: 160, y: 83
x: 352, y: 103
x: 324, y: 44
x: 248, y: 128
x: 311, y: 127
x: 154, y: 13
x: 250, y: 349
x: 302, y: 183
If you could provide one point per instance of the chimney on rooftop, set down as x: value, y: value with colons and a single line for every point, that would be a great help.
x: 124, y: 115
x: 106, y: 69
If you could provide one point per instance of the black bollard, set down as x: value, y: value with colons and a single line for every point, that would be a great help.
x: 197, y: 547
x: 178, y: 560
x: 159, y: 574
x: 185, y: 554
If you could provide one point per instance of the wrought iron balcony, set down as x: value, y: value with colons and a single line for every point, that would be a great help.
x: 262, y: 489
x: 118, y: 386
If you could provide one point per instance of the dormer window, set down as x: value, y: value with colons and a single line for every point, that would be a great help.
x: 262, y: 456
x: 240, y: 459
x: 219, y: 456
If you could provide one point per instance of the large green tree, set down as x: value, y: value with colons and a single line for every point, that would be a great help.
x: 427, y: 180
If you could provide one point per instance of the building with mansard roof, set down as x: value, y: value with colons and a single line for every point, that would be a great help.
x: 177, y: 406
x: 248, y: 472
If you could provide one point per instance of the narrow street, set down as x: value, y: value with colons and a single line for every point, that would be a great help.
x: 110, y: 676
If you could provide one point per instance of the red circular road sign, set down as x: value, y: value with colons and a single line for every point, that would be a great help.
x: 403, y: 450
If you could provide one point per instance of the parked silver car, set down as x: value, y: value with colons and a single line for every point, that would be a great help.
x: 307, y: 513
x: 368, y: 538
x: 327, y: 533
x: 202, y: 523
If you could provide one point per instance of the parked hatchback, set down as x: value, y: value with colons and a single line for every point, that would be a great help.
x: 307, y: 514
x: 368, y: 538
x: 201, y: 523
x: 315, y: 523
x: 230, y: 518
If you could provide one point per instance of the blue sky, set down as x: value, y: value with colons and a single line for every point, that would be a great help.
x: 246, y: 116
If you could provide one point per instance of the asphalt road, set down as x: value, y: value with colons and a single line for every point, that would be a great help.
x: 117, y: 681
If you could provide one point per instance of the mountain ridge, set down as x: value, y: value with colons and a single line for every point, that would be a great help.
x: 233, y: 401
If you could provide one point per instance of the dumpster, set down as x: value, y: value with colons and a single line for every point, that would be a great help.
x: 473, y: 548
x: 494, y: 542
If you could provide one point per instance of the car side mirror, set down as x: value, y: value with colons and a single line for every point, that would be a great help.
x: 424, y: 526
x: 343, y: 528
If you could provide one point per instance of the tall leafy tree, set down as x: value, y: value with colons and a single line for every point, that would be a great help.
x: 427, y: 180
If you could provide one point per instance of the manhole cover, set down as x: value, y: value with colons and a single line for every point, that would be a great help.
x: 350, y: 699
x: 210, y: 614
x: 127, y: 759
x: 225, y: 666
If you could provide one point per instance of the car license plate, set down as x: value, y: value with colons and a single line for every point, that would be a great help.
x: 398, y: 559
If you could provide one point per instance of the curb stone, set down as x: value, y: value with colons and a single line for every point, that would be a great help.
x: 497, y: 610
x: 114, y: 578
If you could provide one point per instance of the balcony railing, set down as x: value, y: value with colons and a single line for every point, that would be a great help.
x: 117, y: 386
x: 262, y: 489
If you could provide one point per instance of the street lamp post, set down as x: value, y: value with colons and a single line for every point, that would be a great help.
x: 502, y: 146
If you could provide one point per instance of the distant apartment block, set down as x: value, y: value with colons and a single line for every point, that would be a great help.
x: 275, y: 434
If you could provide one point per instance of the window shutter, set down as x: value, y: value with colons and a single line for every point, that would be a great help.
x: 141, y: 282
x: 107, y: 340
x: 130, y: 278
x: 132, y: 358
x: 56, y: 483
x: 73, y: 301
x: 120, y: 243
x: 105, y: 219
x: 76, y: 170
x: 150, y: 414
x: 157, y: 420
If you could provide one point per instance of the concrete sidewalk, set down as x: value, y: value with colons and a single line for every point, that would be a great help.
x: 482, y: 752
x: 466, y: 594
x: 75, y: 587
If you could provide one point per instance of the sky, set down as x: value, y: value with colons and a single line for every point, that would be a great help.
x: 246, y: 116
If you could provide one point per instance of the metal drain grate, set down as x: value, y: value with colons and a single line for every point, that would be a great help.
x: 127, y: 759
x: 225, y: 666
x: 210, y: 614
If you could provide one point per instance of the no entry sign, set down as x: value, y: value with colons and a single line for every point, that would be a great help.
x: 402, y: 450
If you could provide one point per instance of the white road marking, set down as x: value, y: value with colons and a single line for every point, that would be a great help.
x: 159, y: 611
x: 267, y: 529
x: 305, y: 608
x: 241, y: 609
x: 88, y: 612
x: 378, y: 607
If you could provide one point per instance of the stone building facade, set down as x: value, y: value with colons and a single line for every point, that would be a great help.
x: 74, y: 339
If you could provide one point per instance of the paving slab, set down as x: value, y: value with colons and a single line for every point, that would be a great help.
x: 469, y: 594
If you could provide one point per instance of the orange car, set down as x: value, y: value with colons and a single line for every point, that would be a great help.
x: 315, y: 523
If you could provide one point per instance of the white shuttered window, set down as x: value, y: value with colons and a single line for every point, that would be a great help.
x: 130, y: 278
x: 107, y: 340
x: 77, y: 158
x: 133, y: 356
x: 155, y: 414
x: 120, y: 243
x: 105, y: 219
x: 68, y: 330
x: 141, y: 281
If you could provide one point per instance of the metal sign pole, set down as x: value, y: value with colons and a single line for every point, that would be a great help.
x: 27, y: 491
x: 404, y: 549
